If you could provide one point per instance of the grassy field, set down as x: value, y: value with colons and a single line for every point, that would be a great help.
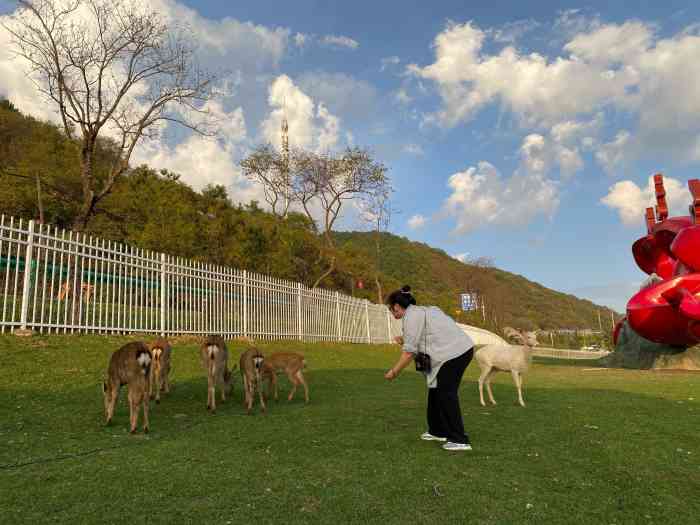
x: 593, y: 445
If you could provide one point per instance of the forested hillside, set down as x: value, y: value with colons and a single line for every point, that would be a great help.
x: 155, y: 210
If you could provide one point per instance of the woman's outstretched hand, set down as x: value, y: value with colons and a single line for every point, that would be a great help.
x: 390, y: 375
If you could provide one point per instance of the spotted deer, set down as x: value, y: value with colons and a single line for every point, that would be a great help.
x: 214, y: 356
x: 291, y: 364
x: 160, y: 369
x: 130, y: 365
x: 251, y: 363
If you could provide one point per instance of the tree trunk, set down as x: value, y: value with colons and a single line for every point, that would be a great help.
x: 87, y: 207
x: 326, y: 273
x: 39, y: 202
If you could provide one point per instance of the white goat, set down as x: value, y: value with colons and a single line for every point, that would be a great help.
x: 495, y: 357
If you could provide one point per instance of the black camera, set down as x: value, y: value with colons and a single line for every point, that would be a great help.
x: 422, y: 361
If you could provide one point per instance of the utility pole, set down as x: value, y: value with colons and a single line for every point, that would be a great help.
x: 285, y: 159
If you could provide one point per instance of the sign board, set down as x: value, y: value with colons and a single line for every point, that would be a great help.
x: 469, y: 302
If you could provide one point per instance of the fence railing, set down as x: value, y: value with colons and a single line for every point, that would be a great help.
x: 558, y: 353
x: 57, y: 281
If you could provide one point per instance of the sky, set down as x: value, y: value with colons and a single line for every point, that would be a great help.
x: 526, y: 132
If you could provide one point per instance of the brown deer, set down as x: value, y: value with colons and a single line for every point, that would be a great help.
x: 160, y: 369
x: 66, y: 288
x: 214, y: 356
x: 251, y: 364
x: 130, y: 365
x: 292, y: 364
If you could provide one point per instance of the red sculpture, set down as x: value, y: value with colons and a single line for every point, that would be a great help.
x: 668, y: 310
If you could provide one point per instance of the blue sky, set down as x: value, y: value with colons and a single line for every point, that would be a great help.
x: 522, y: 131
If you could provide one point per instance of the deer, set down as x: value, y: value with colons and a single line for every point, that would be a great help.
x: 130, y: 365
x: 292, y: 364
x: 505, y: 357
x: 214, y: 355
x: 251, y: 364
x: 66, y: 288
x: 160, y: 369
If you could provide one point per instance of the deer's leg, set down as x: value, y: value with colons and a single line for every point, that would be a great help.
x: 258, y: 382
x: 133, y: 410
x: 484, y: 373
x: 211, y: 392
x: 113, y: 395
x: 223, y: 390
x: 518, y: 384
x: 488, y: 386
x: 300, y: 376
x: 145, y: 402
x: 294, y: 381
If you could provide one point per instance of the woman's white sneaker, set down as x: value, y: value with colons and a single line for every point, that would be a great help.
x: 456, y: 446
x: 427, y: 436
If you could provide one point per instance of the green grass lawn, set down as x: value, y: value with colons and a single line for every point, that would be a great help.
x: 592, y: 446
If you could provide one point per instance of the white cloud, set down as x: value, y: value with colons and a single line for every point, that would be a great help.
x: 611, y: 155
x: 461, y: 257
x: 513, y: 31
x: 602, y: 70
x: 328, y: 132
x: 340, y: 41
x: 612, y: 43
x: 310, y: 126
x: 218, y: 156
x: 302, y: 39
x: 538, y: 91
x: 343, y: 94
x: 417, y: 221
x: 539, y: 155
x: 389, y: 61
x: 413, y: 149
x: 245, y: 44
x: 481, y: 197
x: 630, y: 201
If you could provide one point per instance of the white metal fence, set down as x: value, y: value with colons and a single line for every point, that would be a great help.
x: 558, y: 353
x: 57, y: 281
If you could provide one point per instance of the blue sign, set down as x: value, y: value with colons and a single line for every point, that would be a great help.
x: 469, y: 302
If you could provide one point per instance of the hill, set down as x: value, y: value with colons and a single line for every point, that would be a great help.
x: 509, y: 299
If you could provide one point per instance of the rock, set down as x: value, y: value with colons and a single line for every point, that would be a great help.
x: 634, y: 351
x: 23, y: 332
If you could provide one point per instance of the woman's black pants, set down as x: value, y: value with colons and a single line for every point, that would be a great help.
x: 444, y: 414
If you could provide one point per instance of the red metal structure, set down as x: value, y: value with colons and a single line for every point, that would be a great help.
x: 668, y: 311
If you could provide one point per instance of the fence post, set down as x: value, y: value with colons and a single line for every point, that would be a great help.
x: 162, y: 294
x: 369, y: 336
x: 245, y: 303
x: 27, y: 276
x: 299, y: 323
x: 388, y: 326
x: 337, y: 314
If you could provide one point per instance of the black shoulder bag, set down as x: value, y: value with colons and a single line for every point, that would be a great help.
x: 422, y: 359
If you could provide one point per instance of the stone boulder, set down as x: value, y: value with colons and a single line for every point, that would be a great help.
x: 634, y: 351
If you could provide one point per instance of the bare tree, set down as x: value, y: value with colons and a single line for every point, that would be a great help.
x: 376, y: 211
x: 329, y: 181
x: 270, y: 169
x: 112, y: 68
